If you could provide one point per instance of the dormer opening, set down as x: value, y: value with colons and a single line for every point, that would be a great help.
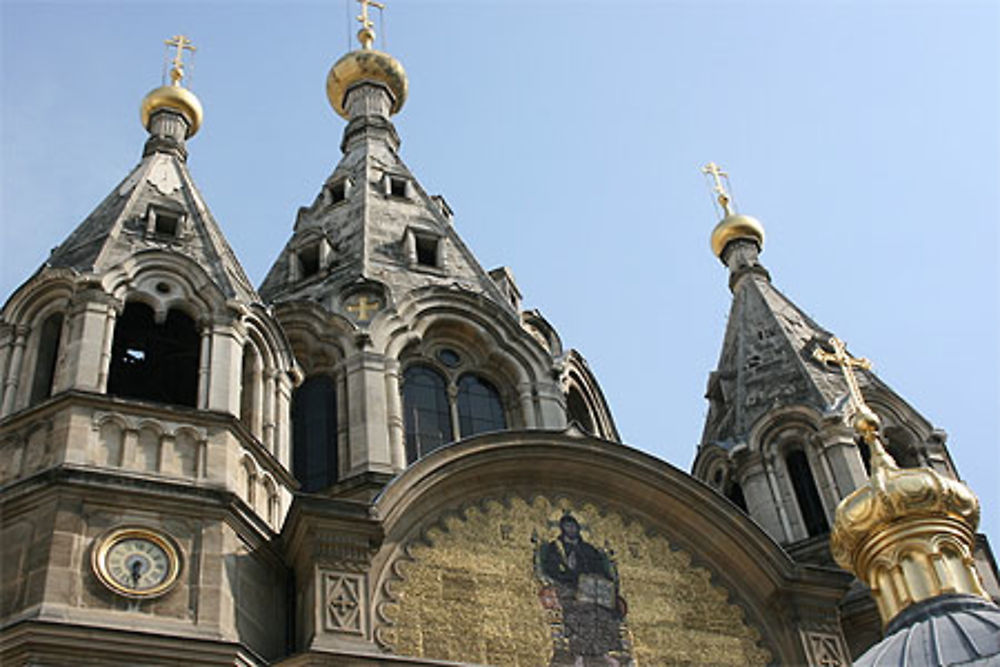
x: 427, y: 251
x: 164, y: 222
x: 309, y: 260
x: 397, y: 187
x: 338, y: 192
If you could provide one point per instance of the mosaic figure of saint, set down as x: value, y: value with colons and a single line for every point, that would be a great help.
x: 581, y: 581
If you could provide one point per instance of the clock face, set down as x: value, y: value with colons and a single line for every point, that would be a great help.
x: 136, y: 562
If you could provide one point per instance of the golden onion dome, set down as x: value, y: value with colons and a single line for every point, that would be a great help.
x: 366, y: 65
x: 177, y: 98
x: 736, y: 226
x: 893, y: 497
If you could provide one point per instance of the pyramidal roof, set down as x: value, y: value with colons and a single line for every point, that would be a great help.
x: 157, y: 206
x: 767, y: 358
x: 372, y: 222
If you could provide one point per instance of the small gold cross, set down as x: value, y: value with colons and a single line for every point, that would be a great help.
x: 725, y: 201
x: 182, y: 43
x: 367, y: 35
x: 363, y: 308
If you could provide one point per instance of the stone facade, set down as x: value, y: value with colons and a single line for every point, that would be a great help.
x: 380, y: 459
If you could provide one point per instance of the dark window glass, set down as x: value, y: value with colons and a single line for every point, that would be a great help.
x: 427, y: 414
x: 735, y: 494
x: 427, y: 250
x: 479, y: 406
x: 397, y: 187
x: 314, y: 433
x: 449, y: 358
x: 309, y: 260
x: 156, y: 362
x: 805, y: 492
x: 866, y: 455
x: 576, y: 409
x: 166, y: 223
x: 45, y: 363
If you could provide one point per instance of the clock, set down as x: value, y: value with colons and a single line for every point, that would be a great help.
x: 136, y: 562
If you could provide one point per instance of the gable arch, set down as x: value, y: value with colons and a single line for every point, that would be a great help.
x: 478, y: 495
x: 166, y: 280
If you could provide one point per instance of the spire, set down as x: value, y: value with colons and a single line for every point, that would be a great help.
x: 738, y: 239
x: 184, y: 112
x: 366, y: 65
x: 158, y: 206
x: 372, y: 227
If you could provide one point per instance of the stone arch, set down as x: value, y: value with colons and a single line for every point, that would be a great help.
x: 35, y: 322
x: 475, y: 486
x: 585, y: 402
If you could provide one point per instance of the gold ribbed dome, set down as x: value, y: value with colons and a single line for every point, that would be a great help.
x: 366, y: 65
x: 176, y: 98
x: 736, y: 226
x: 909, y: 535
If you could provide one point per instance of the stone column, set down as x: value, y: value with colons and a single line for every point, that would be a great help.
x: 268, y: 416
x: 761, y: 503
x: 394, y: 415
x: 282, y: 419
x: 14, y: 369
x: 88, y: 348
x: 204, y: 364
x: 226, y: 368
x: 525, y: 397
x: 780, y: 499
x: 841, y: 454
x: 367, y: 418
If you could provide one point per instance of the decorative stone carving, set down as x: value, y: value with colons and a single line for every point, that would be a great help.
x: 344, y: 602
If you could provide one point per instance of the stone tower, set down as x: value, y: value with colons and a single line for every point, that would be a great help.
x: 777, y: 440
x: 145, y: 377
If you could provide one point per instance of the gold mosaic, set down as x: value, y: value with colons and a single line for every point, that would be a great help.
x: 556, y: 583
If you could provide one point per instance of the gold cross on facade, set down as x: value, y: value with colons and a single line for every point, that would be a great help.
x: 363, y: 308
x: 725, y: 201
x: 367, y: 35
x: 181, y: 43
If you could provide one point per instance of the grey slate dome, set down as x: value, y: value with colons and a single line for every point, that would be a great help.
x: 946, y: 630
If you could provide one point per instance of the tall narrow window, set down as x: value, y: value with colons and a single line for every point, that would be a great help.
x: 314, y: 433
x: 427, y: 413
x: 479, y: 406
x: 45, y: 360
x: 155, y: 362
x: 576, y: 410
x: 735, y: 494
x: 806, y: 493
x: 250, y: 390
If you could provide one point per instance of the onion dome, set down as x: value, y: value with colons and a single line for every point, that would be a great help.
x: 366, y: 64
x: 909, y: 534
x: 734, y: 225
x: 174, y: 96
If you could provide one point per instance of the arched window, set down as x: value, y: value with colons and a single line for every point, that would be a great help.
x: 45, y: 359
x: 479, y: 406
x: 806, y: 493
x: 314, y: 433
x: 156, y: 362
x: 577, y: 411
x: 251, y: 390
x: 427, y: 411
x: 735, y: 494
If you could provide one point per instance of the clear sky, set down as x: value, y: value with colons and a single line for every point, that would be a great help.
x: 567, y: 137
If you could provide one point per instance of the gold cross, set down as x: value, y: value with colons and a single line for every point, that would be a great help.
x: 363, y: 308
x: 725, y: 201
x: 367, y: 35
x: 181, y: 43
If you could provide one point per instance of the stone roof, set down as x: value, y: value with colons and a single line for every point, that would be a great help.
x: 123, y: 225
x: 946, y: 630
x: 363, y: 214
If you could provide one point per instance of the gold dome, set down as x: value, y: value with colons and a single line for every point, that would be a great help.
x: 366, y: 65
x: 736, y: 226
x: 909, y: 535
x: 176, y: 98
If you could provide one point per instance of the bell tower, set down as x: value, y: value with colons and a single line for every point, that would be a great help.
x: 145, y: 426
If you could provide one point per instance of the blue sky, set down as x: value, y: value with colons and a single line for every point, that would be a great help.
x: 567, y: 137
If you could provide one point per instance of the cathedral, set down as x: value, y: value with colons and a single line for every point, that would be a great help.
x: 378, y: 457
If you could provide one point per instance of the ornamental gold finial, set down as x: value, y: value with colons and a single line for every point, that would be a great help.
x: 866, y: 423
x: 722, y: 195
x: 182, y: 44
x: 367, y: 33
